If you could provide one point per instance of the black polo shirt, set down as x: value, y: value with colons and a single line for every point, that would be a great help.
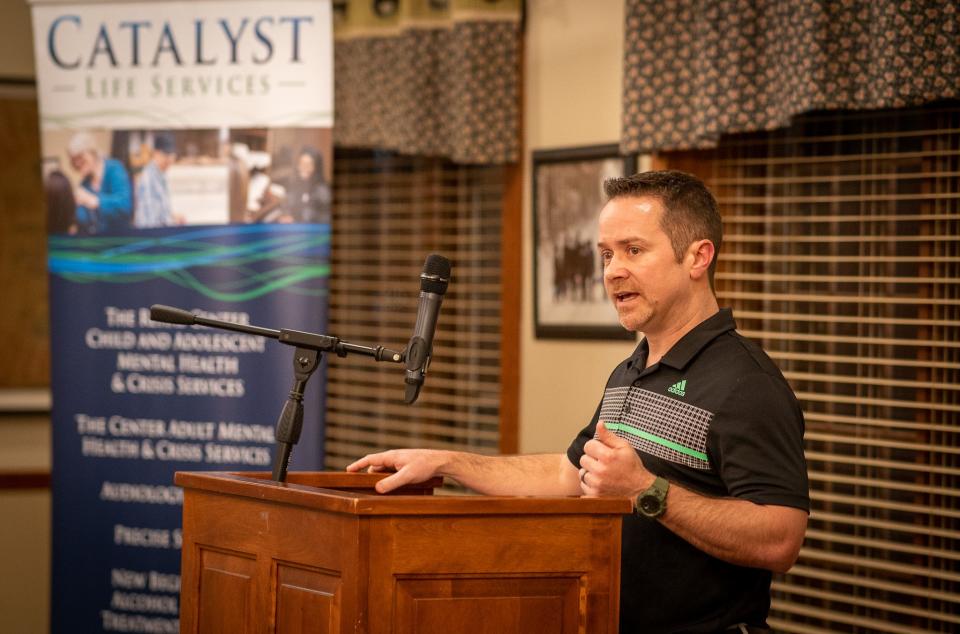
x: 714, y: 416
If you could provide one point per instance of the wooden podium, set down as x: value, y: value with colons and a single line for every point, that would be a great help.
x: 325, y: 553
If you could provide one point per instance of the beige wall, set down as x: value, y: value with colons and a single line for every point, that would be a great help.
x: 16, y: 40
x: 25, y: 527
x: 574, y: 52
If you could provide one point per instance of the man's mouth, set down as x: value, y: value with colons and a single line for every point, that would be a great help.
x: 624, y: 297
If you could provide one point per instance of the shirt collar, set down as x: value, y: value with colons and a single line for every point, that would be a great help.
x: 697, y: 339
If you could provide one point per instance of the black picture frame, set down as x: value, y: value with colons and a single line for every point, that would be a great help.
x: 568, y: 297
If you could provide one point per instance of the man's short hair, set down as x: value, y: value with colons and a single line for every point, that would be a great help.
x: 82, y: 142
x: 690, y: 211
x: 164, y: 142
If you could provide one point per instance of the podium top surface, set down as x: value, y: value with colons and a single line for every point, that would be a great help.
x: 354, y: 494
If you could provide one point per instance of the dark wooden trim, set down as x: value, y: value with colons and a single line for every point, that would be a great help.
x: 18, y: 81
x: 511, y: 296
x: 19, y: 480
x: 511, y: 284
x: 659, y: 161
x: 13, y: 89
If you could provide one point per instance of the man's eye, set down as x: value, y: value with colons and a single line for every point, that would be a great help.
x: 634, y: 250
x: 605, y: 256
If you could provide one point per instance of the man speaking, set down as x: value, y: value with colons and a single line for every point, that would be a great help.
x: 698, y: 426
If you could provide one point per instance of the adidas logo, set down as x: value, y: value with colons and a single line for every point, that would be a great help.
x: 678, y: 388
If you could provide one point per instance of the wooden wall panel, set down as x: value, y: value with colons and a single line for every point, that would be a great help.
x: 24, y: 322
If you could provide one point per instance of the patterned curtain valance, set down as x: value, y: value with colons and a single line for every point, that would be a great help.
x: 696, y: 69
x: 429, y: 77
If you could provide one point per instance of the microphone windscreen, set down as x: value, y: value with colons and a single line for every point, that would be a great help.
x: 171, y: 315
x: 436, y: 274
x: 411, y: 393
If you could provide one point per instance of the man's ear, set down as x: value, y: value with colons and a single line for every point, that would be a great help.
x: 701, y: 253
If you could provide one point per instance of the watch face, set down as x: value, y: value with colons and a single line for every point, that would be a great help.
x: 649, y: 504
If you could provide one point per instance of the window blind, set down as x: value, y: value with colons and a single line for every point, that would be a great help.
x: 842, y: 257
x: 389, y: 213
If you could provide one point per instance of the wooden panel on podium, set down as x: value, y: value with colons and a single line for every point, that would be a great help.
x: 324, y: 553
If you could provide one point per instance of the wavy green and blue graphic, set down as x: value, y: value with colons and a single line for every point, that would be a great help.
x: 226, y: 263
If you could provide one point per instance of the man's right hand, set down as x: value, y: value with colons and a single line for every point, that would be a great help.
x: 532, y: 474
x: 411, y: 466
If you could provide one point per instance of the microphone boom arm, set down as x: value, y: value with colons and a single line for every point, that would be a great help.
x: 320, y: 343
x: 306, y: 359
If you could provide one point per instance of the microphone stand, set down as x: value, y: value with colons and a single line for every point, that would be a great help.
x: 306, y: 358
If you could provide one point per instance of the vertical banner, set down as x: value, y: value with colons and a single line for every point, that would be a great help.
x: 187, y: 162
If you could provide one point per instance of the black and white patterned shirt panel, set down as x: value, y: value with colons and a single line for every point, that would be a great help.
x: 658, y: 425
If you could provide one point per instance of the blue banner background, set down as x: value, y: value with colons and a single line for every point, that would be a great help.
x: 109, y: 574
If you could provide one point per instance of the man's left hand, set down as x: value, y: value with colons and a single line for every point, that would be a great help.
x: 610, y: 467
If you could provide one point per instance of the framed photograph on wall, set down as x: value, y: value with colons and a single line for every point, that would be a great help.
x: 569, y: 299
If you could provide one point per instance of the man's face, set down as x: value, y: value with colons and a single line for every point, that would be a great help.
x: 83, y: 163
x: 163, y: 159
x: 640, y: 270
x: 305, y: 166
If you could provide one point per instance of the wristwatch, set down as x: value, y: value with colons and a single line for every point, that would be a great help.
x: 652, y: 503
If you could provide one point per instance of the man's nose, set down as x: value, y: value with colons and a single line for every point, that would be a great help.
x: 614, y: 269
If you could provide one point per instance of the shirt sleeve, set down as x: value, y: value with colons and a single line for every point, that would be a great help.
x: 114, y: 194
x: 575, y: 450
x: 756, y: 443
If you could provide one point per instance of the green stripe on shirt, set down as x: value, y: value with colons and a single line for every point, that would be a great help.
x: 657, y: 439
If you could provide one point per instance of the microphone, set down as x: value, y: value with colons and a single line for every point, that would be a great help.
x: 433, y: 284
x: 171, y: 315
